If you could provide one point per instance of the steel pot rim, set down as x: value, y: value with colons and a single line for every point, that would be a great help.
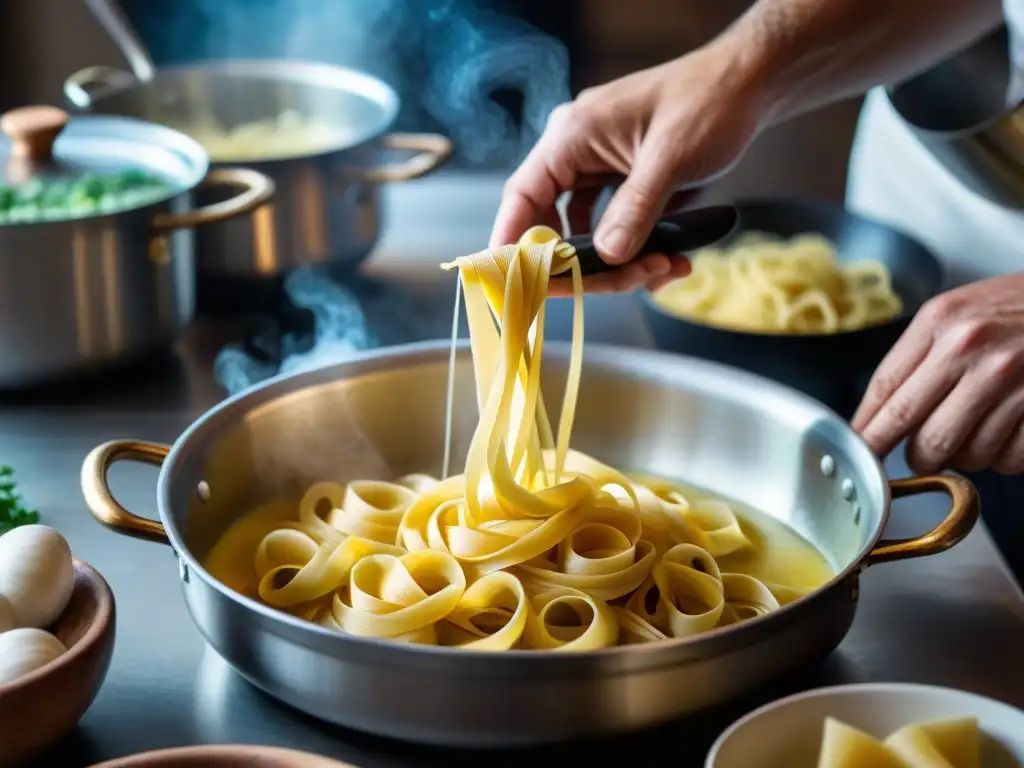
x: 620, y: 659
x: 256, y: 188
x: 195, y: 159
x: 195, y: 171
x: 335, y: 77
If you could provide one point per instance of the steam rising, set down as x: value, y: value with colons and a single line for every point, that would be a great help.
x: 473, y: 58
x: 341, y: 331
x: 444, y: 57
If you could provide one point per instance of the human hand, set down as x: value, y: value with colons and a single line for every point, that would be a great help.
x: 682, y: 123
x: 954, y: 383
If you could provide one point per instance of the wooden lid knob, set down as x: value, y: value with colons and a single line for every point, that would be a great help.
x: 32, y: 131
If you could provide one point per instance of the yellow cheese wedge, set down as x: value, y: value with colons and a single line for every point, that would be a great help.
x: 952, y: 743
x: 843, y: 746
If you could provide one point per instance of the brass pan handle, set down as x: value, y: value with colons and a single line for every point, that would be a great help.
x: 432, y: 151
x: 101, y: 502
x: 256, y: 190
x: 963, y: 514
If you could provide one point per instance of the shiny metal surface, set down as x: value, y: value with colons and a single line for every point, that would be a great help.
x: 327, y: 206
x: 966, y: 112
x: 382, y: 415
x: 167, y: 687
x: 76, y: 295
x: 82, y: 293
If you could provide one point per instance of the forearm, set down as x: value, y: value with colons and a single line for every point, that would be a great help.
x: 803, y: 54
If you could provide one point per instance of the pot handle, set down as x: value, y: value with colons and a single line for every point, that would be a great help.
x: 256, y: 190
x: 101, y: 502
x: 432, y: 151
x: 83, y: 87
x: 963, y: 514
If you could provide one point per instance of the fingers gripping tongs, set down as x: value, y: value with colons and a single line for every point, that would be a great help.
x: 677, y: 233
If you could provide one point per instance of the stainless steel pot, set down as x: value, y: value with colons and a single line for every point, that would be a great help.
x: 327, y: 206
x: 82, y: 292
x: 383, y: 414
x: 966, y: 112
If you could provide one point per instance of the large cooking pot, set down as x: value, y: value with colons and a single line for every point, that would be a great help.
x: 327, y: 206
x: 383, y: 415
x: 80, y: 290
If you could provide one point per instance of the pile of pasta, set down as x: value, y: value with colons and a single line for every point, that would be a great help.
x: 953, y: 743
x: 770, y: 285
x: 289, y: 134
x: 533, y: 546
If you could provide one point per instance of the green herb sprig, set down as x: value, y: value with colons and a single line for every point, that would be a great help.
x: 13, y: 511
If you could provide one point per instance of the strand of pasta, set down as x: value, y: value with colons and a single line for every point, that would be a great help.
x: 535, y: 545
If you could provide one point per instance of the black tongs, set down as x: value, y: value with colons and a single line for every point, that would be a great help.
x: 676, y: 233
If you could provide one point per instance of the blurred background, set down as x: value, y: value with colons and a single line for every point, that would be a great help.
x: 486, y: 72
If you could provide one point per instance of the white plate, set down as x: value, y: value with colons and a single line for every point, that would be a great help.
x: 787, y: 732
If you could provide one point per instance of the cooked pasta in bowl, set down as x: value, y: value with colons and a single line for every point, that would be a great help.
x: 806, y: 293
x: 765, y: 284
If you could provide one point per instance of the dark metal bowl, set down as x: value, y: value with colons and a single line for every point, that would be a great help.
x: 833, y: 368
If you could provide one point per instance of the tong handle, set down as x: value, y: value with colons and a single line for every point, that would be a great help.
x: 677, y: 233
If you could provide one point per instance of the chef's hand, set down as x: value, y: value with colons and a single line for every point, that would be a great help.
x: 954, y: 383
x: 682, y: 123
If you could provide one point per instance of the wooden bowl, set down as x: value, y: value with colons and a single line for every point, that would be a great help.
x: 40, y: 708
x: 231, y: 756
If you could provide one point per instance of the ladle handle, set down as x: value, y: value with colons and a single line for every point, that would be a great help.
x: 32, y: 131
x: 110, y: 16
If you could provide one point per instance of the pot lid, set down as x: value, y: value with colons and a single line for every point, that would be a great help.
x: 53, y: 167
